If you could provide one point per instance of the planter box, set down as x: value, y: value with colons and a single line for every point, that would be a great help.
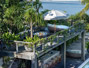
x: 50, y: 59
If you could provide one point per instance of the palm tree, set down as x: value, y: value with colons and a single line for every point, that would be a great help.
x: 85, y: 2
x: 37, y: 5
x: 31, y: 17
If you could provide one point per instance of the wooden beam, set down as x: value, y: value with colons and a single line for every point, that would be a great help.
x: 35, y: 59
x: 35, y: 62
x: 83, y: 46
x: 32, y: 64
x: 17, y: 48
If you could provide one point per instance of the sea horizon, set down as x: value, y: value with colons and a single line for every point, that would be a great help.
x: 71, y: 7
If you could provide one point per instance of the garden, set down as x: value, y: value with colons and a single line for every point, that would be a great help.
x: 22, y: 23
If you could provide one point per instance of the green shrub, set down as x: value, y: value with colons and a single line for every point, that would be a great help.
x: 8, y: 36
x: 29, y: 39
x: 72, y: 40
x: 32, y: 40
x: 77, y: 17
x: 87, y: 27
x: 87, y: 45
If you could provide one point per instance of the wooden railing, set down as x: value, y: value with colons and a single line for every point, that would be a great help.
x: 46, y: 44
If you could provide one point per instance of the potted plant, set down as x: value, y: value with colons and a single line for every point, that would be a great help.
x: 29, y: 47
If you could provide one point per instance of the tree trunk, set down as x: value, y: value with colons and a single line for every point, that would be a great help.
x: 31, y: 29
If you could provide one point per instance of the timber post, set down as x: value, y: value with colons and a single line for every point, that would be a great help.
x: 35, y: 57
x: 83, y: 45
x: 64, y: 52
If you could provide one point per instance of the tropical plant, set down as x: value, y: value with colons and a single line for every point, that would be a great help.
x: 9, y: 37
x: 37, y: 4
x: 4, y: 4
x: 31, y: 17
x: 34, y: 39
x: 85, y: 2
x: 2, y: 9
x: 5, y: 10
x: 77, y: 17
x: 46, y: 10
x: 13, y: 17
x: 87, y: 27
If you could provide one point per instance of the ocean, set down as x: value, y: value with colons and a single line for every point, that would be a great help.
x: 71, y: 7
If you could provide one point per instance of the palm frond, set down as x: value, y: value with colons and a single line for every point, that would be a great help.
x: 85, y: 1
x: 85, y: 9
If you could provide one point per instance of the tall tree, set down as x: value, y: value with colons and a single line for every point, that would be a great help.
x: 37, y: 4
x: 31, y: 17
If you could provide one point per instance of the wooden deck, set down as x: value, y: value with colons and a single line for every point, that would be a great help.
x: 25, y: 55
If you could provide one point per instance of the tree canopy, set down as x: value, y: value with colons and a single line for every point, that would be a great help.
x: 10, y: 15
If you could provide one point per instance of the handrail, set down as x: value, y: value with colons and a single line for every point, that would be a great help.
x: 19, y: 41
x: 54, y: 39
x: 51, y: 41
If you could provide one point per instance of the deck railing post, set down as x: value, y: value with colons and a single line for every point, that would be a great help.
x: 64, y: 52
x: 42, y: 45
x: 35, y: 58
x: 34, y: 63
x: 17, y: 48
x: 83, y: 46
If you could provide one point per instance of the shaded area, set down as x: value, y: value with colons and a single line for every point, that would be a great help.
x: 3, y: 54
x: 75, y: 63
x: 72, y: 62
